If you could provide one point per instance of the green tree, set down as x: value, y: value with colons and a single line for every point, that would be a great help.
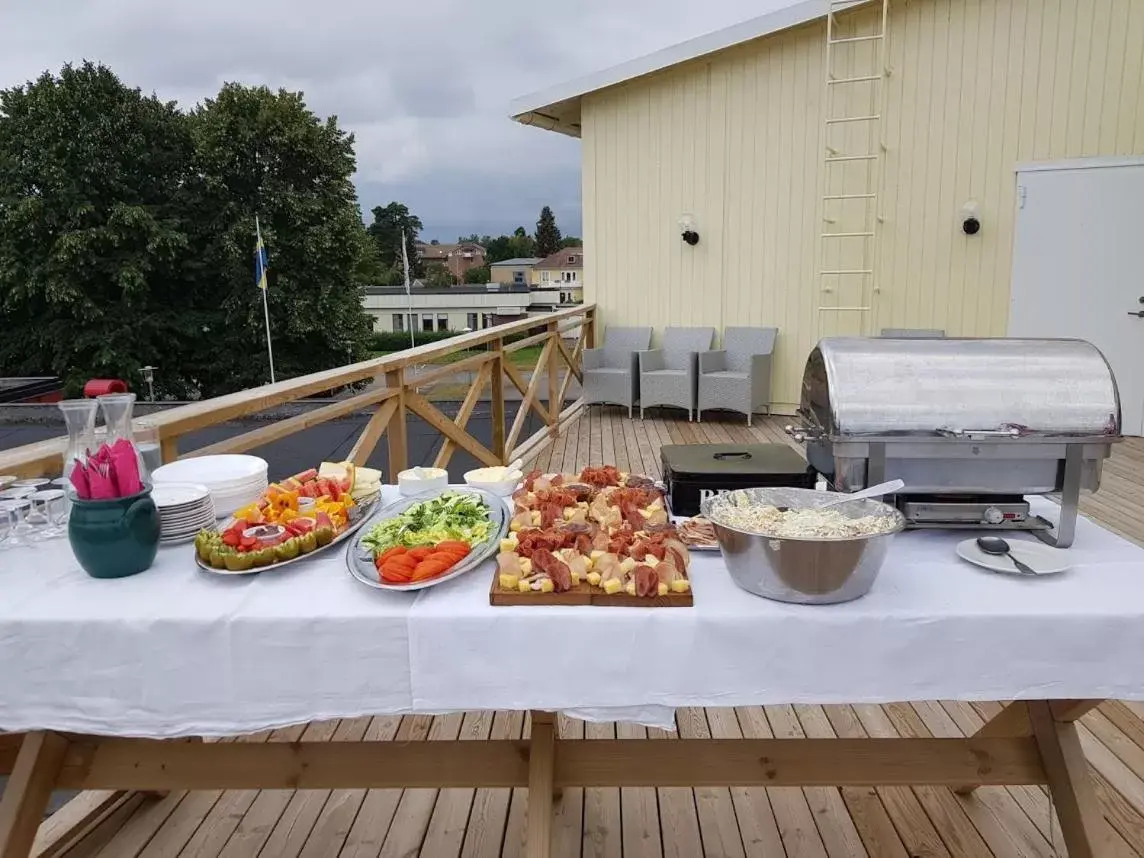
x: 388, y: 222
x: 547, y: 233
x: 571, y: 241
x: 92, y: 236
x: 438, y: 276
x: 480, y: 274
x: 265, y: 154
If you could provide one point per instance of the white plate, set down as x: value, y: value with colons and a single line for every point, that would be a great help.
x: 215, y: 472
x: 178, y: 495
x: 1042, y: 559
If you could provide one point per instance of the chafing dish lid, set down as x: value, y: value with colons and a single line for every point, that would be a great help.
x: 865, y: 386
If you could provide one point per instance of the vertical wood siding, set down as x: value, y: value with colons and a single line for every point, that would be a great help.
x: 977, y: 87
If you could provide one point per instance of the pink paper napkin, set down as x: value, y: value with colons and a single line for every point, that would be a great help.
x: 125, y: 468
x: 80, y: 482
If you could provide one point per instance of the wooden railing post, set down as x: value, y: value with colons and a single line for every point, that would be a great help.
x: 590, y: 329
x: 555, y: 398
x: 169, y: 449
x: 496, y: 399
x: 396, y: 434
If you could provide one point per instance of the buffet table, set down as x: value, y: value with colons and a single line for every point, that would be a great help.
x: 101, y: 675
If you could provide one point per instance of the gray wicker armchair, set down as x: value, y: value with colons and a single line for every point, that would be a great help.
x: 667, y: 374
x: 610, y: 373
x: 738, y: 376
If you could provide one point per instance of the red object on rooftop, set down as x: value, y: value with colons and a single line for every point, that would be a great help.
x: 100, y: 386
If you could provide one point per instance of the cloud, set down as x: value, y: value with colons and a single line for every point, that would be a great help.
x: 424, y: 86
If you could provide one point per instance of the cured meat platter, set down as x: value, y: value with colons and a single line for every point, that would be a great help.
x: 600, y: 537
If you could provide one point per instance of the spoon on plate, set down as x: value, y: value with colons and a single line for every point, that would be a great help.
x: 998, y: 547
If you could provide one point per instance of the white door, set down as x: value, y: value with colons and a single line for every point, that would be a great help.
x: 1078, y: 265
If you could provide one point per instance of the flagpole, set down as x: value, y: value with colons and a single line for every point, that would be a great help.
x: 265, y: 304
x: 408, y: 291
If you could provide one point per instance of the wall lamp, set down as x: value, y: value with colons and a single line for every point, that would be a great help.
x: 687, y: 229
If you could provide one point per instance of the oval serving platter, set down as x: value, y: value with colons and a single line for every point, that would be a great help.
x: 359, y: 560
x: 364, y: 511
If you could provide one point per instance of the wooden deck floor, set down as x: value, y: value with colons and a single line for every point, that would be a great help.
x: 777, y: 823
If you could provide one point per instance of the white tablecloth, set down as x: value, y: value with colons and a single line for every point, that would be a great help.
x: 176, y: 651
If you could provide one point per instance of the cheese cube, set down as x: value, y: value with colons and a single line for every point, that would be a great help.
x: 524, y: 586
x: 546, y: 586
x: 514, y: 525
x: 509, y: 582
x: 568, y: 513
x: 612, y: 585
x: 536, y: 518
x: 630, y: 588
x: 594, y: 579
x: 575, y: 576
x: 680, y: 585
x: 662, y: 589
x: 597, y: 554
x: 651, y: 560
x: 588, y: 563
x: 508, y: 545
x: 627, y: 565
x: 525, y: 567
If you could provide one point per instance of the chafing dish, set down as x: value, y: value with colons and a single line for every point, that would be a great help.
x: 971, y: 426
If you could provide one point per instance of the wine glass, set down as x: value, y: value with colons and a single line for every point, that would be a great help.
x: 19, y: 531
x: 48, y: 508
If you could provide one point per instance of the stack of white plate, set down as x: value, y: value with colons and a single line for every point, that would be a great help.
x: 233, y: 481
x: 184, y: 510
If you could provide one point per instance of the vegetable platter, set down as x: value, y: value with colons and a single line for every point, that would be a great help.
x: 428, y: 539
x: 298, y: 518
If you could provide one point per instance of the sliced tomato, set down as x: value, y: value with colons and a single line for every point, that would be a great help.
x: 421, y: 552
x: 396, y: 574
x: 231, y: 538
x: 391, y: 552
x: 454, y: 544
x: 430, y: 569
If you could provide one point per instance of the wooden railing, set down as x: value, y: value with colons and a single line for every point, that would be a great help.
x: 393, y: 393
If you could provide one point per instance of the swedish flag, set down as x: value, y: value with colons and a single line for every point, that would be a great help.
x: 261, y: 258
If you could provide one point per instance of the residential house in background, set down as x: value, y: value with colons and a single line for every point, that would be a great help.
x: 452, y: 308
x: 557, y: 281
x: 457, y: 258
x: 513, y: 272
x: 973, y: 166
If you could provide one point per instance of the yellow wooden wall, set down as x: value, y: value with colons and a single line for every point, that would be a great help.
x: 977, y: 87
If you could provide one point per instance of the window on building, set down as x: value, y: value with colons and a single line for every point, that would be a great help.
x: 518, y: 278
x: 543, y: 276
x: 427, y: 322
x: 472, y: 321
x: 442, y: 322
x: 399, y: 321
x: 569, y: 277
x: 563, y: 297
x: 571, y: 260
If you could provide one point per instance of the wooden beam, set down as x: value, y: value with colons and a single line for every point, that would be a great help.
x: 1082, y: 822
x: 526, y: 342
x: 298, y: 423
x: 26, y: 795
x: 77, y: 819
x: 496, y: 401
x: 515, y: 377
x: 449, y: 370
x: 572, y: 362
x: 168, y: 449
x: 472, y: 397
x: 554, y: 405
x: 397, y: 433
x: 530, y: 399
x: 9, y: 750
x: 423, y: 408
x: 374, y: 429
x: 541, y: 769
x: 542, y: 438
x: 144, y: 764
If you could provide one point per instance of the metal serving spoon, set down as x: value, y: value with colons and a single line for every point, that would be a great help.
x: 877, y: 491
x: 998, y: 547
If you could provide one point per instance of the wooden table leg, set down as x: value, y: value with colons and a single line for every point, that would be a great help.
x: 1013, y: 720
x: 26, y: 797
x: 541, y: 770
x: 1082, y: 823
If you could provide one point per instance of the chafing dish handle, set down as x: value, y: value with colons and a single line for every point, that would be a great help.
x: 1011, y: 432
x: 804, y: 433
x: 1063, y: 534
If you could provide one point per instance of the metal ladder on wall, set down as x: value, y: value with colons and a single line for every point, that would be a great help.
x: 850, y: 214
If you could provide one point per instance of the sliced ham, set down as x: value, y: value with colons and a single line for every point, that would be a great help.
x: 647, y: 582
x: 554, y: 568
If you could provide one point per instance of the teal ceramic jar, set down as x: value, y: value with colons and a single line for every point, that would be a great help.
x: 114, y: 538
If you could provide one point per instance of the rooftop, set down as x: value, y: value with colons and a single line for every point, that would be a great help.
x: 558, y: 107
x: 520, y: 260
x: 467, y: 289
x: 569, y: 257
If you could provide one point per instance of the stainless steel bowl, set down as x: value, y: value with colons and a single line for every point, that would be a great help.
x: 807, y: 571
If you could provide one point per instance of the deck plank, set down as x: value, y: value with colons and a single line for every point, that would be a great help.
x: 894, y: 822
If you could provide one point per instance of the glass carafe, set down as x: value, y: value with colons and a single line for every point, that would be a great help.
x: 117, y: 411
x: 79, y: 417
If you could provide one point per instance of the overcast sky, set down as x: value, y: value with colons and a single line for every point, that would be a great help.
x: 423, y: 84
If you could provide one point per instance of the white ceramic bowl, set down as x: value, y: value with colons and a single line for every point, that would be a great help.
x: 500, y: 488
x: 429, y: 480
